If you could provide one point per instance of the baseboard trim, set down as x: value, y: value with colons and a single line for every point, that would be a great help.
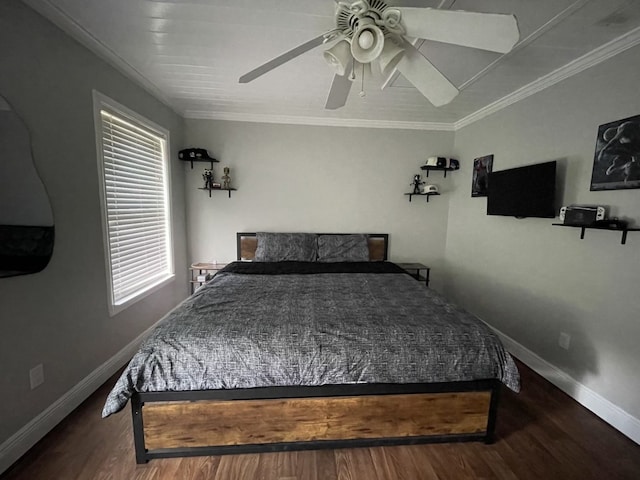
x: 25, y: 438
x: 603, y: 408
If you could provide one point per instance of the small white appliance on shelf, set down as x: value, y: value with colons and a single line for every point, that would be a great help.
x: 582, y: 214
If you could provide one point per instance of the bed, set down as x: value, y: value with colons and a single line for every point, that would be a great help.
x: 312, y: 341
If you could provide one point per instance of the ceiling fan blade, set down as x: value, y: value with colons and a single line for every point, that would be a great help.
x: 284, y: 58
x: 488, y: 31
x: 340, y: 88
x: 426, y: 77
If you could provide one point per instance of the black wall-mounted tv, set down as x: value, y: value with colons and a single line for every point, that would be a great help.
x: 523, y: 192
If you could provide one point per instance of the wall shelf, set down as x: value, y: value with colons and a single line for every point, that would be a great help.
x: 422, y: 195
x: 211, y: 161
x: 585, y: 227
x: 219, y: 189
x: 428, y: 168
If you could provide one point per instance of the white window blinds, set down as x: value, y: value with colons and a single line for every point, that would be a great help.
x: 135, y: 191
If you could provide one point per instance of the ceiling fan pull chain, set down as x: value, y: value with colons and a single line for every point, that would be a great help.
x: 362, y: 92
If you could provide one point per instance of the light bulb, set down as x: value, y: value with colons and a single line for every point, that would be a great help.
x: 365, y: 40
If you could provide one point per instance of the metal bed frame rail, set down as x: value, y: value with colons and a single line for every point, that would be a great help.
x: 143, y: 454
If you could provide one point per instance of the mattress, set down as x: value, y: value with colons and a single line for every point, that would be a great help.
x: 264, y: 324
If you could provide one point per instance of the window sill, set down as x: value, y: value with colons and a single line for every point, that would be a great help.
x: 115, y: 309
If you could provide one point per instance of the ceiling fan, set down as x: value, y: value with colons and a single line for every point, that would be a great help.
x: 370, y: 32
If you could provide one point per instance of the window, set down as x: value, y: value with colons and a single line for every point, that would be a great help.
x: 133, y: 167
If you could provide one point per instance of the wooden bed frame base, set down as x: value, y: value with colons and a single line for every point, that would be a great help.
x: 180, y: 424
x: 216, y: 422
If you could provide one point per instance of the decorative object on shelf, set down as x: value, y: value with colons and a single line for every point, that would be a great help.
x: 444, y: 164
x: 422, y: 188
x: 210, y: 184
x: 430, y: 189
x: 196, y: 155
x: 579, y: 215
x: 226, y: 179
x: 616, y: 163
x: 417, y: 183
x: 482, y: 167
x: 207, y: 176
x: 215, y: 186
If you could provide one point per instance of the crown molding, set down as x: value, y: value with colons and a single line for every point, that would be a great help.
x: 591, y: 59
x: 318, y: 121
x: 85, y: 38
x: 595, y: 57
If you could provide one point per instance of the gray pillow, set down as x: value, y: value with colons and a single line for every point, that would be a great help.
x: 343, y: 248
x: 283, y: 247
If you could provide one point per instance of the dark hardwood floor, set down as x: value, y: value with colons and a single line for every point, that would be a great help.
x: 541, y: 434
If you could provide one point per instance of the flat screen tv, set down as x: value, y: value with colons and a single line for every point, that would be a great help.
x: 523, y: 192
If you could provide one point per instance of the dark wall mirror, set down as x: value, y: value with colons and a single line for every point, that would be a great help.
x: 26, y: 218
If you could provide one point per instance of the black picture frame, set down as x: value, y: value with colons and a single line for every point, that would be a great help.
x: 482, y: 167
x: 616, y: 162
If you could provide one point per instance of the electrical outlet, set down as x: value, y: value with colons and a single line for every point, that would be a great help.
x: 36, y: 376
x: 564, y: 340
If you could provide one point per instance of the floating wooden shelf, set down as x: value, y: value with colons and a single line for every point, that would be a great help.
x: 219, y: 189
x: 211, y: 161
x: 428, y: 168
x: 422, y: 195
x: 585, y: 227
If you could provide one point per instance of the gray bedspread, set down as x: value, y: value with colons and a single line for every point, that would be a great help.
x: 245, y: 331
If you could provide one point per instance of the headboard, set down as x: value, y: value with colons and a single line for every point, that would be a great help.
x: 378, y: 245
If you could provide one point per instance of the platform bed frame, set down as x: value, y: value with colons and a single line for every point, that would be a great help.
x: 216, y: 422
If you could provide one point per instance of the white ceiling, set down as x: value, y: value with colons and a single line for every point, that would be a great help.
x: 190, y: 54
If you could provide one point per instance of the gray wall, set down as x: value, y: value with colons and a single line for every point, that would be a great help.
x: 59, y: 317
x: 532, y: 280
x: 319, y: 179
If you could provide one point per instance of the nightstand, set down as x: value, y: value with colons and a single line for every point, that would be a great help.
x: 198, y: 269
x: 411, y: 267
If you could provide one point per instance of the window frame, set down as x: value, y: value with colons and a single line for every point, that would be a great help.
x: 102, y: 102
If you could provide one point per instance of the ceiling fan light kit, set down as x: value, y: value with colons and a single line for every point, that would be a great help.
x: 339, y: 56
x: 370, y: 31
x: 389, y: 57
x: 367, y: 41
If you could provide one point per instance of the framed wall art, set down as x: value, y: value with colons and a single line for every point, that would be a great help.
x: 616, y: 163
x: 482, y: 167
